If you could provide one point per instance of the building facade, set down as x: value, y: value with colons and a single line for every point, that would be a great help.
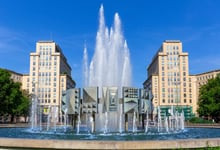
x: 50, y: 75
x: 169, y: 79
x: 202, y: 79
x: 16, y: 77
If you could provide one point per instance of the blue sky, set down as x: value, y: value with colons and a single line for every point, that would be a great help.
x: 146, y: 24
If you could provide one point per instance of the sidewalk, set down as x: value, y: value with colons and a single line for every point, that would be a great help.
x: 12, y: 125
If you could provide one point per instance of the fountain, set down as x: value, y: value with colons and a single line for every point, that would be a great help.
x: 78, y: 124
x: 115, y: 108
x: 49, y: 118
x: 120, y: 118
x: 134, y: 129
x: 147, y: 121
x: 91, y: 124
x: 110, y: 72
x: 110, y: 65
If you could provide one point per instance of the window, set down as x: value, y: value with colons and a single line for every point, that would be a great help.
x: 190, y: 85
x: 163, y: 100
x: 184, y: 68
x: 190, y: 90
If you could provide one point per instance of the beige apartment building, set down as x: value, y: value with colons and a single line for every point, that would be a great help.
x: 203, y: 78
x: 16, y: 77
x: 50, y: 75
x: 169, y: 79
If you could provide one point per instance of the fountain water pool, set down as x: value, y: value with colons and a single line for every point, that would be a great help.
x: 188, y: 133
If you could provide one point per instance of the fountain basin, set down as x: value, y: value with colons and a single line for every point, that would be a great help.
x: 76, y: 144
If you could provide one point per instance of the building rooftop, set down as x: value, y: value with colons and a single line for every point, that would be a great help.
x: 46, y: 41
x: 217, y: 70
x: 11, y: 71
x: 172, y: 41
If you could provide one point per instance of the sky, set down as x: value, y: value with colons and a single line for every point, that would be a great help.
x: 145, y: 24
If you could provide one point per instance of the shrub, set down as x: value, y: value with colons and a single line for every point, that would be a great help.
x: 199, y: 120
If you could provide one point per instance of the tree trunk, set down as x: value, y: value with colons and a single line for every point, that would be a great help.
x: 12, y: 118
x: 25, y: 119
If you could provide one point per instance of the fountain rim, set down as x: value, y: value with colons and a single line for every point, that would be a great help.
x: 78, y: 144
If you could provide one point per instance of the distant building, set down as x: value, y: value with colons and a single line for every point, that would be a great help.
x: 26, y: 82
x: 16, y: 77
x: 50, y: 75
x: 169, y: 79
x: 202, y: 79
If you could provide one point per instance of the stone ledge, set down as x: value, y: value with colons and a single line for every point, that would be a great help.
x: 68, y: 144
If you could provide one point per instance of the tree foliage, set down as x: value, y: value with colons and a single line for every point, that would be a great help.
x: 23, y: 108
x: 5, y: 90
x: 209, y: 99
x: 12, y: 101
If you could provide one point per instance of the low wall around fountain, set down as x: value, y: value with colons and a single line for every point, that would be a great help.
x: 68, y: 144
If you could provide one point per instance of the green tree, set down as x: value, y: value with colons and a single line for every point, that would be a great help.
x: 23, y: 108
x: 12, y: 100
x: 5, y: 90
x: 209, y: 99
